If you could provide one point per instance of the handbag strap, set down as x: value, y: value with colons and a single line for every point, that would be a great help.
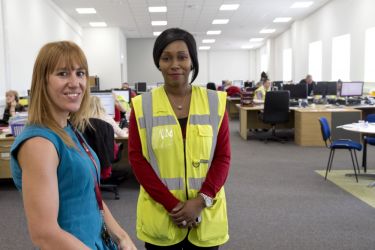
x: 98, y: 194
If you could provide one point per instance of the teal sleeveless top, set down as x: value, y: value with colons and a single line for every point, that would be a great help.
x: 78, y: 209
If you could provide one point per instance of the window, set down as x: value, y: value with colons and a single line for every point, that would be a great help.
x: 287, y: 64
x: 315, y: 60
x: 370, y: 55
x: 341, y: 58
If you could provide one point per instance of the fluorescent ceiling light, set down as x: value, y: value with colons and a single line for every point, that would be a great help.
x: 257, y: 39
x: 267, y: 31
x: 214, y: 32
x: 98, y: 24
x: 220, y: 21
x: 157, y: 9
x: 86, y: 10
x: 298, y: 5
x: 156, y: 33
x: 282, y: 19
x: 247, y: 46
x: 159, y: 23
x: 208, y: 40
x: 229, y: 6
x: 204, y: 47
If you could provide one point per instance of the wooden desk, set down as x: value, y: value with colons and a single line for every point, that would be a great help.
x: 5, y: 144
x: 231, y: 106
x: 305, y: 122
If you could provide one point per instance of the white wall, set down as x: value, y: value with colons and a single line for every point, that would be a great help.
x: 214, y: 66
x: 336, y: 18
x: 103, y: 48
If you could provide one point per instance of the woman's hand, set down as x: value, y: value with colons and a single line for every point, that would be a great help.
x: 185, y: 214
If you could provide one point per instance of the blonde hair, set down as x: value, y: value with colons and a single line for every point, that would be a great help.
x: 13, y: 93
x: 96, y: 110
x: 51, y: 56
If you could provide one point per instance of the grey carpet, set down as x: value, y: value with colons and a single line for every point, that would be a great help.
x: 275, y: 201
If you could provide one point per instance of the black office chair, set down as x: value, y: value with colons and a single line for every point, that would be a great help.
x: 367, y: 140
x: 276, y: 111
x: 101, y: 139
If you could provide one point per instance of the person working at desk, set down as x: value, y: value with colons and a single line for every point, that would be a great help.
x: 12, y: 106
x: 180, y: 153
x: 310, y: 84
x: 232, y: 91
x: 52, y: 164
x: 260, y: 93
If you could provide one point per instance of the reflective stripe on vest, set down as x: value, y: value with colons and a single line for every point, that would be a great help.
x: 148, y: 121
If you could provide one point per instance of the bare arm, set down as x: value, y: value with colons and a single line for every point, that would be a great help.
x: 41, y: 197
x: 122, y: 238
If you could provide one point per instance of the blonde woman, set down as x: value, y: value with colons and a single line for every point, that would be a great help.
x: 51, y: 164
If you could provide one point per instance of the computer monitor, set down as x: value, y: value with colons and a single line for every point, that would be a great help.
x: 141, y: 87
x: 296, y: 91
x: 107, y: 100
x: 331, y: 88
x: 320, y: 89
x: 122, y: 94
x: 351, y: 89
x: 238, y: 83
x: 248, y: 84
x: 278, y: 85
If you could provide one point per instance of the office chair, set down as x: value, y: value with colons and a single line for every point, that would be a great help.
x: 348, y: 144
x: 101, y: 139
x: 367, y: 140
x: 276, y: 111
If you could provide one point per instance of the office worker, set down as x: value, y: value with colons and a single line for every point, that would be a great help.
x: 11, y: 107
x: 260, y: 92
x: 51, y: 163
x: 180, y: 153
x: 310, y: 84
x: 232, y: 91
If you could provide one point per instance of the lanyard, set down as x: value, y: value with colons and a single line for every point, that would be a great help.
x: 98, y: 194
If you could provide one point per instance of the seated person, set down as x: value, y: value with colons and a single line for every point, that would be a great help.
x: 260, y: 93
x: 126, y: 85
x: 310, y: 84
x: 97, y: 111
x: 211, y: 85
x: 11, y: 107
x: 232, y: 91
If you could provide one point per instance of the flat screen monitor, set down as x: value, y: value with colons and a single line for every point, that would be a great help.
x: 331, y: 88
x: 320, y: 89
x: 296, y: 91
x: 351, y: 89
x: 141, y: 87
x: 107, y: 100
x: 238, y: 83
x: 122, y: 94
x: 278, y: 85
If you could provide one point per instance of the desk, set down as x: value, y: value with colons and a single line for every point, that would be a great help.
x: 231, y: 106
x: 304, y: 121
x: 5, y: 144
x: 124, y: 161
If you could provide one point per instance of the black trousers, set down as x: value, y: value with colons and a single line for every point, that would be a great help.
x: 185, y: 245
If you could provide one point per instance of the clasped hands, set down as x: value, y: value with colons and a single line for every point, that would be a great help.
x: 185, y: 214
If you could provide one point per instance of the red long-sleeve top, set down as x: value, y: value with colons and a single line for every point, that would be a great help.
x: 215, y: 179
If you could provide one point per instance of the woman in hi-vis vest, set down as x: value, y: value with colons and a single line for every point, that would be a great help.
x: 179, y: 150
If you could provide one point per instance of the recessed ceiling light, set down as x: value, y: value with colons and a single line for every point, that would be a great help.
x: 282, y: 19
x: 267, y: 31
x: 86, y: 10
x: 229, y: 6
x: 247, y: 46
x: 156, y: 33
x: 257, y: 39
x: 208, y: 40
x: 204, y: 47
x: 159, y: 23
x: 304, y: 4
x: 98, y: 24
x: 214, y: 32
x: 157, y: 9
x: 220, y: 21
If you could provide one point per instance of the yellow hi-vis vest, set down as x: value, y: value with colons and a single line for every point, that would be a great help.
x: 163, y: 147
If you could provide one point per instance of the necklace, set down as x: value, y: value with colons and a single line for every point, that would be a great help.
x: 179, y: 107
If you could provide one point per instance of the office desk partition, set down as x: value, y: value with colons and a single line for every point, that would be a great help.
x: 231, y: 106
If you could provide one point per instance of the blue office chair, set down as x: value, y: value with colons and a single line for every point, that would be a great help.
x: 367, y: 140
x: 352, y: 146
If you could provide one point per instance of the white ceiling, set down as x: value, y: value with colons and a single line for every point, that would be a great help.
x: 195, y: 16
